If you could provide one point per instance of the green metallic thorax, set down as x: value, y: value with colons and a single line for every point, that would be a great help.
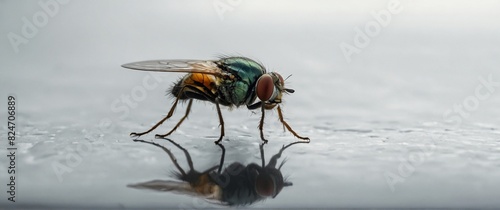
x: 239, y: 91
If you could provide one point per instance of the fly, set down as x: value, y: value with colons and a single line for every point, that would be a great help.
x: 229, y: 81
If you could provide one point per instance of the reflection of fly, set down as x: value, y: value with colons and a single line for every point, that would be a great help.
x: 236, y: 185
x: 230, y: 81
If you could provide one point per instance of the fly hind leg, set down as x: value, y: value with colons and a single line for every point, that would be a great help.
x: 170, y: 113
x: 188, y: 109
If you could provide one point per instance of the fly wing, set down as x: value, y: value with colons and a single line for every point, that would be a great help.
x: 177, y: 187
x: 187, y: 66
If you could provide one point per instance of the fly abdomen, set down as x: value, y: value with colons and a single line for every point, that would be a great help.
x: 177, y: 88
x: 196, y: 86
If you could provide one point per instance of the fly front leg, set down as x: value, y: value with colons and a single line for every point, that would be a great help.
x: 221, y: 120
x: 261, y: 125
x: 280, y: 115
x: 170, y: 113
x: 188, y: 109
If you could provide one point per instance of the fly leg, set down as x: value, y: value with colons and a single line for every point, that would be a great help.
x: 261, y: 126
x: 261, y: 147
x: 221, y: 158
x: 221, y: 123
x: 188, y: 109
x: 186, y: 153
x: 170, y: 113
x: 172, y: 157
x: 280, y: 115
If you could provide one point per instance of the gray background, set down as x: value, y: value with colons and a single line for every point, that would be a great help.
x: 366, y: 117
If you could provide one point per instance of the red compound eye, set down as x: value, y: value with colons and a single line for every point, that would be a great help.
x: 265, y: 87
x: 264, y: 185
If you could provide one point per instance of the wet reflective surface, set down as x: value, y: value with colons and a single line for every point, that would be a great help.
x: 234, y: 186
x: 379, y: 126
x: 344, y: 165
